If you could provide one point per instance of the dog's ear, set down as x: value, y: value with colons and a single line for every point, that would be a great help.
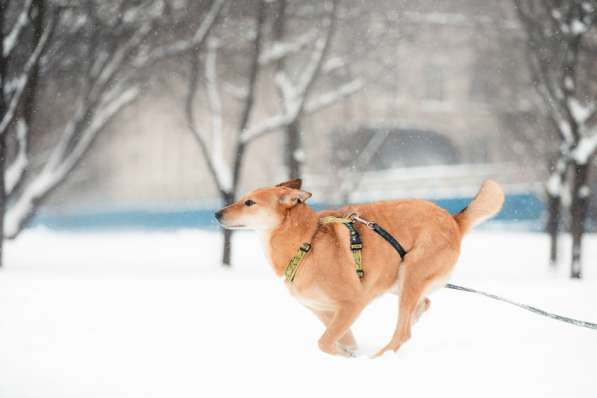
x: 297, y: 183
x: 294, y: 196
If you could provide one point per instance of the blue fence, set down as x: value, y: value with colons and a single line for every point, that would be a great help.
x: 524, y: 208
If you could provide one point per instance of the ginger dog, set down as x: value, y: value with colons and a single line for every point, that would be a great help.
x: 326, y: 282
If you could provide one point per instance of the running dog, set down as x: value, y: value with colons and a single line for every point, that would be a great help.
x: 326, y: 282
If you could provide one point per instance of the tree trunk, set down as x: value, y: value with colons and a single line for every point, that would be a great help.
x: 229, y: 197
x: 580, y: 201
x: 227, y: 248
x: 294, y: 154
x: 555, y: 186
x: 554, y: 205
x: 292, y: 150
x: 3, y: 76
x: 227, y: 234
x: 2, y: 195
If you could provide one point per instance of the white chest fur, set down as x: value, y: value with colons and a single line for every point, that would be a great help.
x: 265, y: 239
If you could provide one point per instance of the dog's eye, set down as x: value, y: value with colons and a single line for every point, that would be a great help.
x: 249, y: 202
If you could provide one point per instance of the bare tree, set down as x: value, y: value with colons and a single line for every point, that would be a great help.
x: 98, y: 50
x: 562, y: 53
x: 296, y: 95
x: 20, y: 57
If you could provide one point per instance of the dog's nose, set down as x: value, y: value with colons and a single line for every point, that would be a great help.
x: 218, y: 214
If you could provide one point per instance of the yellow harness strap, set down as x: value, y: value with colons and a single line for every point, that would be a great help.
x: 334, y: 219
x: 356, y: 246
x: 295, y: 261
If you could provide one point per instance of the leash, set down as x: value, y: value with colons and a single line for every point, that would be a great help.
x: 398, y: 247
x: 532, y: 309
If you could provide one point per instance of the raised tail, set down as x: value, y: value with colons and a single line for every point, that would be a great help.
x: 486, y: 204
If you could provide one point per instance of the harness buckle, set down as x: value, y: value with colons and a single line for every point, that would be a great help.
x: 306, y: 247
x: 368, y: 224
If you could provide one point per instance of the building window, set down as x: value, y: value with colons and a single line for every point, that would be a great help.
x: 433, y: 76
x: 483, y: 81
x: 480, y: 87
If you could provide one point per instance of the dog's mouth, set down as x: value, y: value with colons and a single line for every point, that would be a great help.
x: 237, y: 226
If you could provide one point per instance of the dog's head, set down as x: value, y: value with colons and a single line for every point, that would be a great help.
x: 263, y: 209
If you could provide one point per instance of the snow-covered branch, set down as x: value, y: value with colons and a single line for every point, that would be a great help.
x: 215, y: 104
x: 236, y: 92
x: 333, y: 64
x: 268, y: 125
x: 580, y: 113
x: 331, y: 97
x: 24, y: 77
x: 15, y: 172
x: 281, y: 50
x: 294, y: 96
x: 283, y: 119
x: 118, y: 61
x: 215, y: 161
x: 11, y: 39
x: 213, y: 95
x: 184, y: 46
x: 313, y: 66
x: 586, y: 147
x: 107, y: 110
x: 286, y: 88
x: 53, y: 173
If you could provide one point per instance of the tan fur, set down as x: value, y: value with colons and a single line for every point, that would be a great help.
x: 485, y: 205
x: 326, y: 281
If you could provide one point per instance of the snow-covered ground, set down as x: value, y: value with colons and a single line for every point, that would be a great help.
x: 152, y: 315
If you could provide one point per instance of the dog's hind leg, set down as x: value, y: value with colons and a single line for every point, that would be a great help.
x: 422, y: 271
x: 347, y: 340
x: 418, y: 272
x: 410, y: 296
x: 422, y: 307
x: 339, y: 325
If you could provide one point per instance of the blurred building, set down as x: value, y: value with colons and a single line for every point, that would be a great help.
x: 438, y: 76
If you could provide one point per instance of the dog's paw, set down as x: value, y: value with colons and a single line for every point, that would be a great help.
x: 346, y: 351
x: 389, y: 347
x: 338, y: 349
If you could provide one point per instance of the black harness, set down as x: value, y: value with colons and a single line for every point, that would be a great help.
x: 356, y: 244
x: 390, y: 239
x: 383, y: 233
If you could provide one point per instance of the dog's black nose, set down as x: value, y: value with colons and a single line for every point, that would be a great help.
x: 218, y: 215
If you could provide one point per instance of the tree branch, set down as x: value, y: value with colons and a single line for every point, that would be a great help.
x: 53, y: 174
x: 215, y: 105
x: 185, y: 46
x: 23, y: 79
x: 331, y: 97
x: 15, y: 172
x: 11, y: 39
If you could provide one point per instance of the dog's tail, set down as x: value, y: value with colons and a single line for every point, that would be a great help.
x: 486, y: 204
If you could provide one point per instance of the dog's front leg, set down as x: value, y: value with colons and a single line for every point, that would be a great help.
x: 339, y: 325
x: 347, y: 340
